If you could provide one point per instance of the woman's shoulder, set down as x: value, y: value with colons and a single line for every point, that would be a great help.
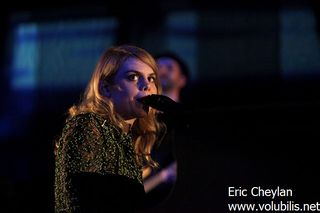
x: 91, y: 120
x: 81, y: 122
x: 84, y: 119
x: 82, y: 127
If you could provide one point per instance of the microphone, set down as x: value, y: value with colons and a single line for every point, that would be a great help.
x: 161, y: 103
x: 173, y: 113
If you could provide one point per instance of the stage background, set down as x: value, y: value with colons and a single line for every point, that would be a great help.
x: 255, y: 69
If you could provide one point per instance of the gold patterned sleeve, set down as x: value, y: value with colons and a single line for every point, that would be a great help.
x: 83, y: 145
x: 96, y: 168
x: 79, y: 151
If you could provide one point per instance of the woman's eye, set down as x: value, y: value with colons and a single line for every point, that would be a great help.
x: 152, y: 79
x: 133, y: 77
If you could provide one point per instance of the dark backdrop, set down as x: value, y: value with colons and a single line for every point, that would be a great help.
x: 255, y: 123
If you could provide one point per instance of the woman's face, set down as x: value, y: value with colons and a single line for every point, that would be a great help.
x: 134, y: 80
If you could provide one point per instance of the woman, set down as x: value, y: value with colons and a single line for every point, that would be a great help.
x: 108, y: 137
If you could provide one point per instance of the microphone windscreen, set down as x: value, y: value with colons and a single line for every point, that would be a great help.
x: 160, y: 102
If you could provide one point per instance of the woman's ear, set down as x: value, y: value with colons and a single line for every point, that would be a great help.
x: 104, y: 90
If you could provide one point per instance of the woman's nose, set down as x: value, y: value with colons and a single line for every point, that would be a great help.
x: 145, y: 85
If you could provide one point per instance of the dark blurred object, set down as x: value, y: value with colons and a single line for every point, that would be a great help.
x: 162, y: 103
x: 258, y: 145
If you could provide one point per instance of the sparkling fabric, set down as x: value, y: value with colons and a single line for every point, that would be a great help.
x: 90, y: 144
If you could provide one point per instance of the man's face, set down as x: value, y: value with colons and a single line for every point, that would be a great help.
x: 170, y: 74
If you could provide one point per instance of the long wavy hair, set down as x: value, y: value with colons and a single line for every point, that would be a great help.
x: 146, y: 131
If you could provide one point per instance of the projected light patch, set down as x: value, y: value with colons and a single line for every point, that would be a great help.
x: 181, y: 38
x: 25, y: 57
x: 58, y: 54
x: 299, y: 50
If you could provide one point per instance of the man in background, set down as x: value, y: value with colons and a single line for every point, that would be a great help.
x: 174, y: 76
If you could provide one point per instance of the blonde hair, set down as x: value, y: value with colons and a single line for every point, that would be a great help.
x: 145, y: 130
